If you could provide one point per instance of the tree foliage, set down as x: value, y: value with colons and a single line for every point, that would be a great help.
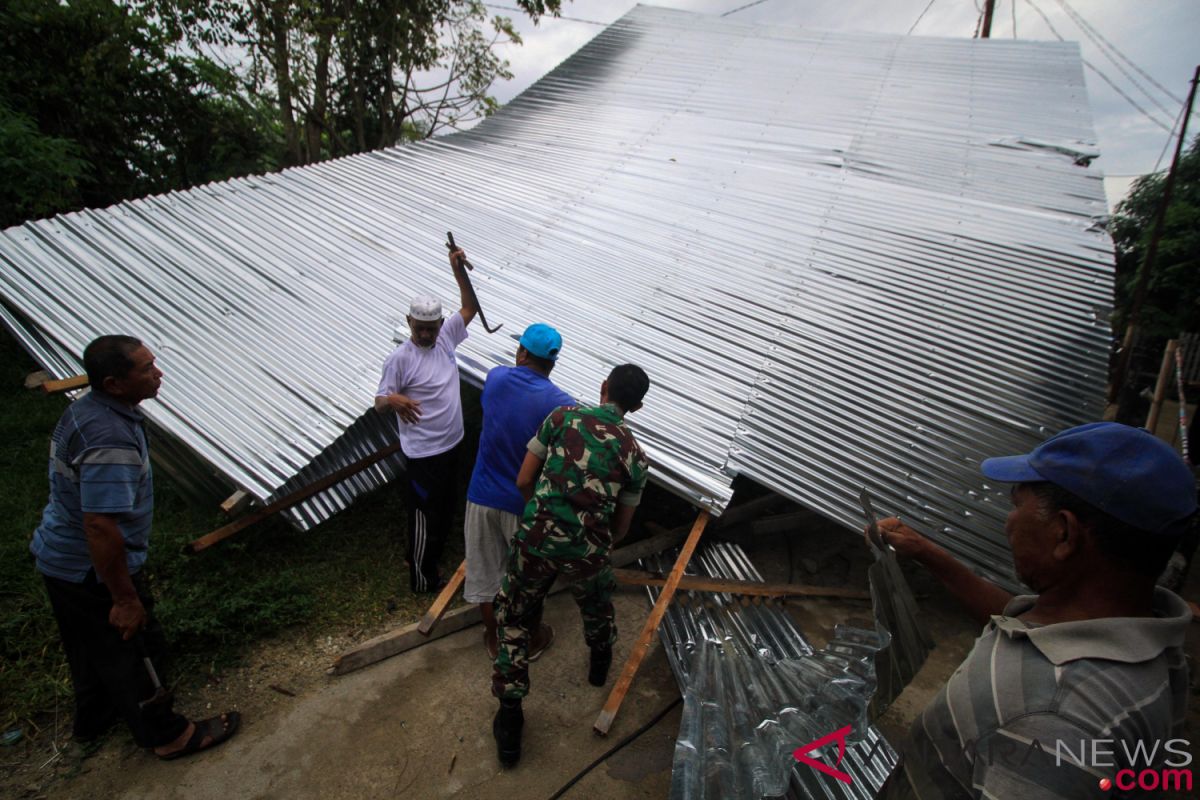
x: 349, y: 76
x: 95, y: 107
x: 1172, y: 302
x: 107, y: 100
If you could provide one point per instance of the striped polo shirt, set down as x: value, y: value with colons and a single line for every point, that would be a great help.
x: 99, y: 464
x: 1047, y: 711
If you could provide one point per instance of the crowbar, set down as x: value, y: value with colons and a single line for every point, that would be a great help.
x: 451, y: 246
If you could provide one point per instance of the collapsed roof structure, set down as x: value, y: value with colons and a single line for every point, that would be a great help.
x: 845, y: 260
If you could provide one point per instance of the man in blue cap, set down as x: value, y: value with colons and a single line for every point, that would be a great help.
x: 515, y: 401
x: 1075, y: 690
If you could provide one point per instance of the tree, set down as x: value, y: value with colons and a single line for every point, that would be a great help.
x: 348, y: 76
x: 95, y: 108
x: 1172, y: 301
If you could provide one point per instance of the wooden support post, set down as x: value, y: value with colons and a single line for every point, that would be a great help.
x: 1160, y: 388
x: 65, y: 385
x: 236, y: 503
x: 642, y: 646
x: 402, y: 639
x: 633, y: 577
x: 299, y: 496
x: 34, y: 380
x: 439, y: 606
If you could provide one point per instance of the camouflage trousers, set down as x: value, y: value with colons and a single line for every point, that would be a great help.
x: 534, y: 562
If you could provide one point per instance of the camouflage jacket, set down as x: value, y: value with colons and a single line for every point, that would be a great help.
x: 592, y: 462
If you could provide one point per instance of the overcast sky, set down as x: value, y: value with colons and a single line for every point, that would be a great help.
x: 1161, y: 37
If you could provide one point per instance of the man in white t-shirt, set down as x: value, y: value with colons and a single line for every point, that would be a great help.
x: 420, y: 384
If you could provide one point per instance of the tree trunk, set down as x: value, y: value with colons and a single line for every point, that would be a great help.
x: 280, y: 57
x: 315, y: 121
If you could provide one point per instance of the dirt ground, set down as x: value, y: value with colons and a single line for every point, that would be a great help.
x: 418, y: 725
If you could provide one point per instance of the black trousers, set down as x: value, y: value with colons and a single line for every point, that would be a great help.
x: 107, y: 672
x: 431, y: 485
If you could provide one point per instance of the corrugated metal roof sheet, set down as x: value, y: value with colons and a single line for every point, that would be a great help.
x: 843, y: 259
x: 721, y: 766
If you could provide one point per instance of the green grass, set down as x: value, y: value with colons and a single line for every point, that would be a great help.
x: 32, y: 669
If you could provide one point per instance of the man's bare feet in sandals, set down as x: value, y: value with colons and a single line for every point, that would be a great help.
x: 201, y: 736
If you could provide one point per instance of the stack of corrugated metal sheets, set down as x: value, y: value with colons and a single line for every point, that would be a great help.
x: 843, y: 260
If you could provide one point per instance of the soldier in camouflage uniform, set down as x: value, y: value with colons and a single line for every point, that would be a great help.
x: 589, y: 474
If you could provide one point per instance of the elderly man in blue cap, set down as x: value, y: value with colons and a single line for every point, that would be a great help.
x: 1075, y: 691
x: 515, y: 401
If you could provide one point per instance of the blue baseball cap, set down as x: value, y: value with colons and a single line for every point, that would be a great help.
x: 541, y: 340
x: 1122, y: 471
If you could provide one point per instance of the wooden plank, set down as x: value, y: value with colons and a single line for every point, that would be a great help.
x: 1160, y: 386
x: 399, y: 640
x: 632, y: 577
x: 747, y: 512
x: 781, y: 523
x: 435, y: 612
x: 236, y: 503
x: 623, y: 556
x: 642, y: 646
x: 209, y: 539
x: 402, y: 639
x: 34, y: 380
x: 65, y: 385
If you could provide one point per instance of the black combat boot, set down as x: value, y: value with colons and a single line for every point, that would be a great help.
x: 506, y: 727
x: 601, y: 661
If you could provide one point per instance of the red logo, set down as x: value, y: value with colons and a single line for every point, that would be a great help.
x: 839, y: 736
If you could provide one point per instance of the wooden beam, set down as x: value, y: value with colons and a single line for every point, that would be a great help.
x: 632, y: 577
x: 397, y: 641
x: 642, y: 646
x: 34, y: 380
x: 749, y: 511
x: 781, y: 523
x: 435, y: 612
x: 660, y: 541
x: 1160, y: 387
x: 236, y: 503
x: 65, y: 385
x: 209, y: 539
x: 402, y: 639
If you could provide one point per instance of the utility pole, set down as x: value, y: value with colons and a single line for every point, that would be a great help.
x: 1143, y: 282
x: 989, y: 7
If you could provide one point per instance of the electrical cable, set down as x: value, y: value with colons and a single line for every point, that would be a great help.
x: 743, y: 8
x: 1127, y: 98
x: 1013, y: 4
x: 1170, y: 138
x: 612, y: 750
x: 921, y: 17
x: 549, y: 16
x: 1083, y: 23
x: 1096, y: 69
x: 1104, y: 46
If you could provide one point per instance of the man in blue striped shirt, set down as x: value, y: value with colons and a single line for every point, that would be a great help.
x: 1079, y: 690
x: 91, y: 547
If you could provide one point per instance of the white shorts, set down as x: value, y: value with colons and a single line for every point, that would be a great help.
x: 488, y: 532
